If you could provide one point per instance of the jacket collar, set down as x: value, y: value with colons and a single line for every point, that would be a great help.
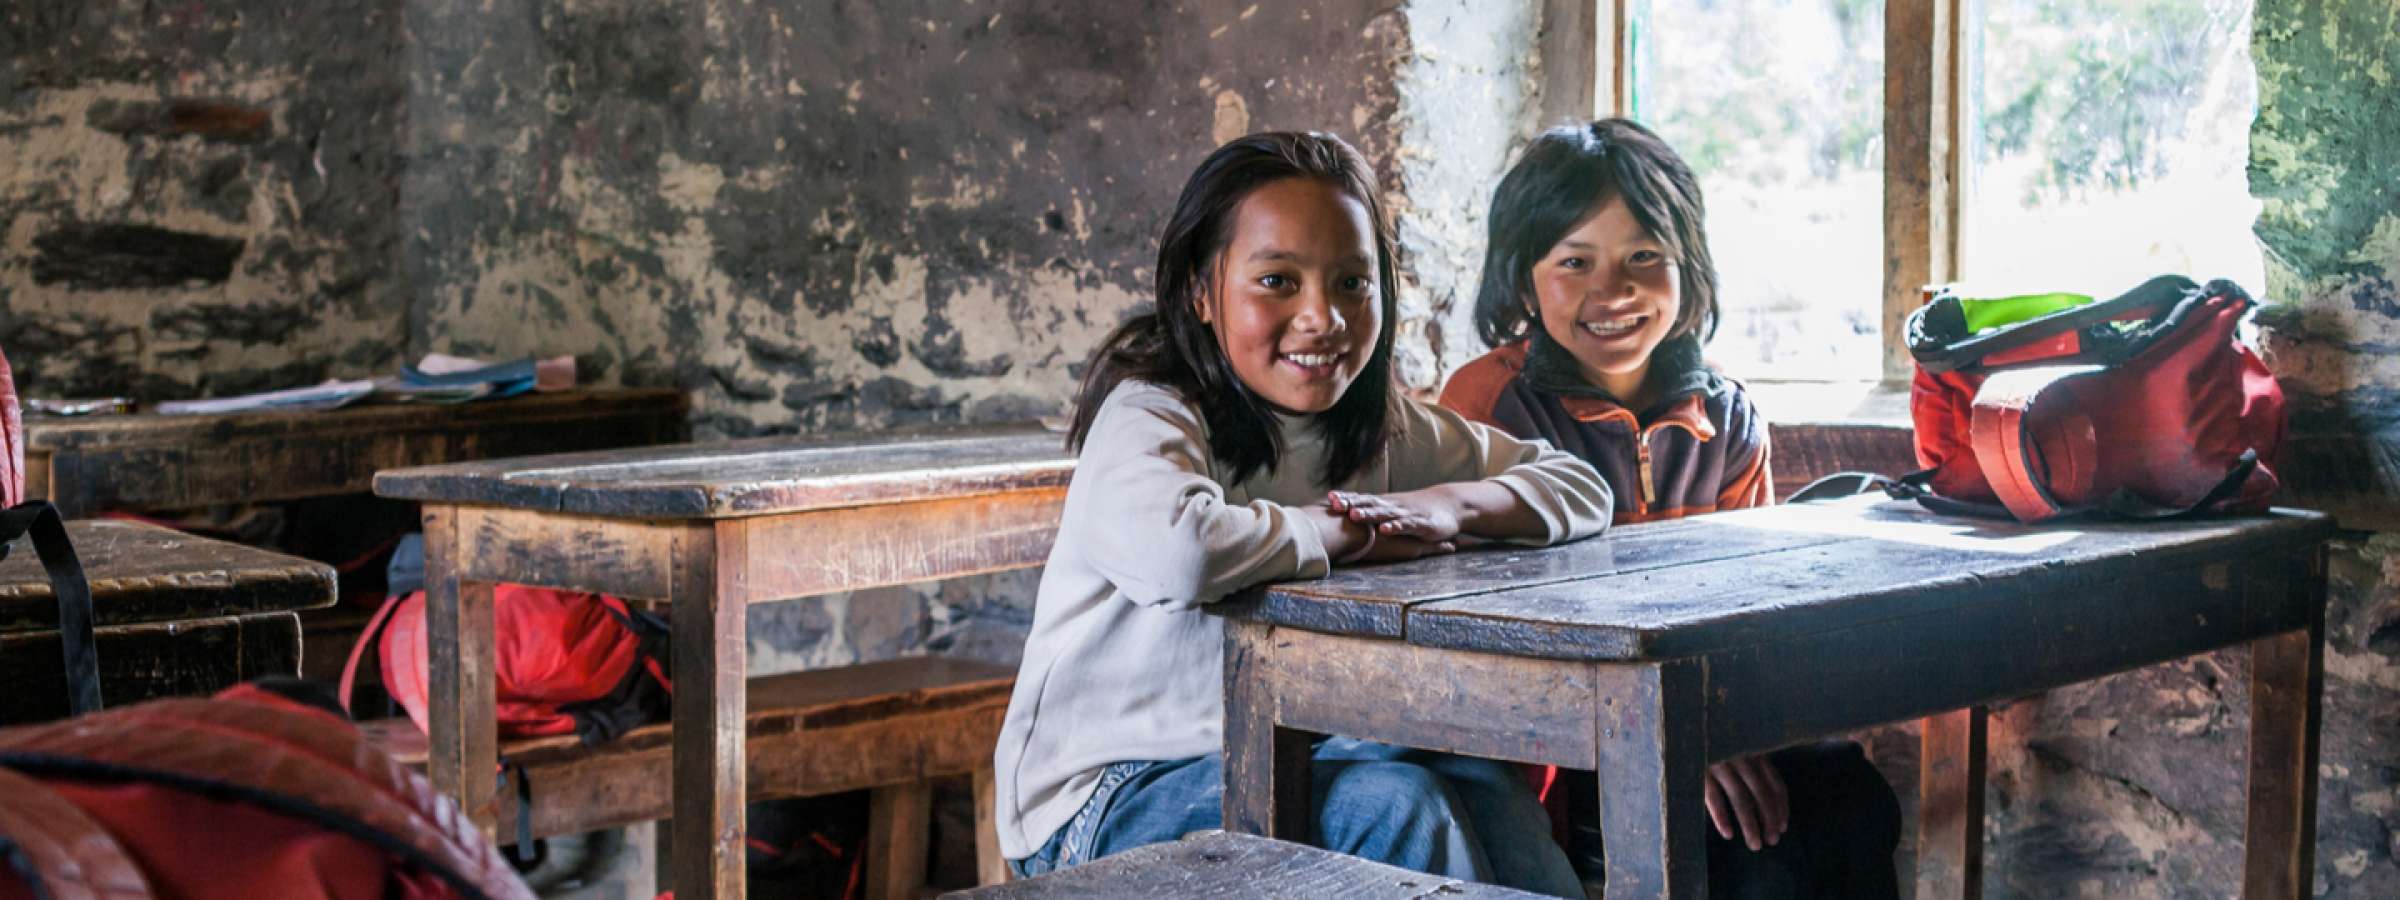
x: 1689, y: 382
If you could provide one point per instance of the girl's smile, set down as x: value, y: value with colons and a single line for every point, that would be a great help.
x: 1294, y: 302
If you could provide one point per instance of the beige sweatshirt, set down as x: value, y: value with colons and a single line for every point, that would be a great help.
x: 1122, y: 663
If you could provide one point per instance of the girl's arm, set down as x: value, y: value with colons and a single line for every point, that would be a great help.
x: 1150, y: 520
x: 1454, y: 477
x: 1753, y: 482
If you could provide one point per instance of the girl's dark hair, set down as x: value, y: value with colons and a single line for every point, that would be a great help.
x: 1170, y: 346
x: 1568, y: 173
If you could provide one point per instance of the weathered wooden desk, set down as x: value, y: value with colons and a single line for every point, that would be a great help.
x: 174, y: 615
x: 1218, y: 864
x: 1655, y: 650
x: 149, y: 462
x: 709, y: 529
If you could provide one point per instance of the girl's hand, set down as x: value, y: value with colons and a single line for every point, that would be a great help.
x: 1746, y: 794
x: 1349, y: 542
x: 1430, y: 516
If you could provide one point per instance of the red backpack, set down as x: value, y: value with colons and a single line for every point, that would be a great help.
x: 2145, y: 405
x: 250, y: 794
x: 566, y: 662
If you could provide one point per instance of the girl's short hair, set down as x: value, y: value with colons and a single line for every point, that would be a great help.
x: 1567, y: 174
x: 1169, y: 344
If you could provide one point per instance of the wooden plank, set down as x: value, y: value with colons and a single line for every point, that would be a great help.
x: 991, y: 866
x: 151, y: 462
x: 1570, y: 54
x: 899, y: 543
x: 753, y: 477
x: 1652, y: 758
x: 1374, y: 600
x: 1267, y: 775
x: 1950, y: 805
x: 1986, y: 641
x: 1476, y: 704
x: 1616, y: 59
x: 143, y: 573
x: 899, y: 820
x: 1921, y: 138
x: 1902, y: 562
x: 1217, y: 864
x: 710, y: 616
x: 2287, y: 687
x: 148, y: 660
x: 461, y: 687
x: 624, y: 558
x: 810, y: 733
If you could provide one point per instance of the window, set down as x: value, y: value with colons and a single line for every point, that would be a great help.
x: 2099, y: 142
x: 1778, y: 106
x: 2111, y: 144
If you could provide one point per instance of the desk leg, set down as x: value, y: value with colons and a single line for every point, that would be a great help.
x: 1653, y: 757
x: 1266, y: 765
x: 462, y: 721
x: 1950, y: 806
x: 710, y: 615
x: 2287, y: 677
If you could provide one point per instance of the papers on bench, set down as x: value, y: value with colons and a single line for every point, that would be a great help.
x: 438, y: 378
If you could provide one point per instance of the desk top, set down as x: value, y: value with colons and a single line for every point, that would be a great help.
x: 753, y: 477
x: 144, y: 573
x: 1698, y: 585
x: 1224, y: 864
x: 149, y: 429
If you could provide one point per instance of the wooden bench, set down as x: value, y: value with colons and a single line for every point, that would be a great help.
x: 1222, y: 864
x: 887, y: 726
x: 173, y: 615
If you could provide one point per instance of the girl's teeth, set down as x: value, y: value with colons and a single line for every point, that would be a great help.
x: 1310, y: 359
x: 1610, y: 328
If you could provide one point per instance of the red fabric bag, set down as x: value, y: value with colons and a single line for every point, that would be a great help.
x: 2145, y: 405
x: 246, y: 795
x: 566, y: 662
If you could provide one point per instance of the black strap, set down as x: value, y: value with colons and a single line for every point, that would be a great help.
x: 2132, y: 506
x: 1917, y: 486
x: 526, y: 852
x: 41, y: 520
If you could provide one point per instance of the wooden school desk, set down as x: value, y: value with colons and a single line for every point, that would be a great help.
x: 174, y: 615
x: 1655, y: 650
x: 147, y: 462
x: 709, y: 529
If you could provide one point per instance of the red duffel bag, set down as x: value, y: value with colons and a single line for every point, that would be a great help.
x: 2145, y: 405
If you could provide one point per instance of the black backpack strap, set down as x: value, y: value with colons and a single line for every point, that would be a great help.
x: 1917, y: 486
x: 2126, y: 504
x: 41, y: 520
x: 2163, y: 301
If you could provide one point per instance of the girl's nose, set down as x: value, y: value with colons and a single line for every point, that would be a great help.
x: 1318, y: 314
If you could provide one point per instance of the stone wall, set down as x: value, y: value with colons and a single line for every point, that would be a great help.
x: 199, y: 198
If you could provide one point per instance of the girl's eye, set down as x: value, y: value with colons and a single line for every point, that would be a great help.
x: 1274, y: 282
x: 1575, y: 263
x: 1355, y: 284
x: 1648, y: 258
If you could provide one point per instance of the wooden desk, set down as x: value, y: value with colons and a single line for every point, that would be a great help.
x: 1655, y: 650
x: 174, y: 615
x: 1218, y: 864
x: 709, y: 529
x: 151, y: 462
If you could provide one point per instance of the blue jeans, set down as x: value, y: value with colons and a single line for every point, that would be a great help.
x: 1463, y: 818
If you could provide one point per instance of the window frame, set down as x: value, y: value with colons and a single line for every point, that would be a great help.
x: 1923, y: 133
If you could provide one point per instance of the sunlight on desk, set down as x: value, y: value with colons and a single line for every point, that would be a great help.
x: 1880, y: 518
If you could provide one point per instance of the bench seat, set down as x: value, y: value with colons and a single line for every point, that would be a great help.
x: 1224, y: 864
x: 889, y: 726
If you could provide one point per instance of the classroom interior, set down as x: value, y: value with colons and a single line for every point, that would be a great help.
x: 790, y: 219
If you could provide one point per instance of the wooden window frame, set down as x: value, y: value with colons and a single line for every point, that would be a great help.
x: 1923, y: 122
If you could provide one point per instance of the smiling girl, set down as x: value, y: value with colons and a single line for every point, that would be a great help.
x: 1597, y: 293
x: 1245, y: 431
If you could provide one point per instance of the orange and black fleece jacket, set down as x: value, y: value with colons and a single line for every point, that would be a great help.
x: 1700, y: 449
